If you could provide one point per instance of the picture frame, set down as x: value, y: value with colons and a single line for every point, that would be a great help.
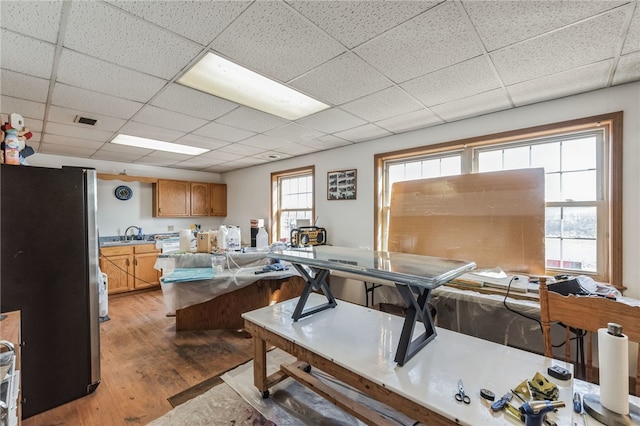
x: 342, y: 184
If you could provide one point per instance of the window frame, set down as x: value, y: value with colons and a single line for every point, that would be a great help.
x: 612, y: 185
x: 276, y: 211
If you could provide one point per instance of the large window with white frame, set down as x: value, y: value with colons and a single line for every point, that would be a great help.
x: 582, y: 163
x: 292, y: 200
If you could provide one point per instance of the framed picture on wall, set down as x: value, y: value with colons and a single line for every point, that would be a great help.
x: 341, y: 185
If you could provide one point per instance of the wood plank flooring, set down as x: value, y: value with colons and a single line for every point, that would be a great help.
x: 145, y: 361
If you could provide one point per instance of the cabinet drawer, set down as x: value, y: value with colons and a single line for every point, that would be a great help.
x: 146, y: 248
x: 116, y: 251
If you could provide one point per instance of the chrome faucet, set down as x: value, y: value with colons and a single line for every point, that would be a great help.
x: 127, y: 230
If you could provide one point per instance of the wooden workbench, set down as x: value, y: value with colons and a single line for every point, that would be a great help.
x: 356, y: 345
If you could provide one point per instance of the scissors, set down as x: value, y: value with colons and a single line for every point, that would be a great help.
x: 461, y: 396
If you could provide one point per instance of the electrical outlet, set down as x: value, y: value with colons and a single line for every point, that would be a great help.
x: 170, y: 228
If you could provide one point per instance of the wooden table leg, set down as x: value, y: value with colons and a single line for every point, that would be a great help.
x: 260, y: 366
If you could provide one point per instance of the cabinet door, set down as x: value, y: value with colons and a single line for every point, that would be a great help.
x: 172, y: 198
x: 200, y: 199
x: 218, y: 199
x: 146, y: 275
x: 119, y: 270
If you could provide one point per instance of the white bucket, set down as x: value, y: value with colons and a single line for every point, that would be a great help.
x: 185, y: 239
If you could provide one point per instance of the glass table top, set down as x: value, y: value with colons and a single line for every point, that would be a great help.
x: 402, y: 268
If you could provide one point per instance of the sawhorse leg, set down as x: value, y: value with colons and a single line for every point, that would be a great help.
x: 317, y: 282
x: 418, y: 308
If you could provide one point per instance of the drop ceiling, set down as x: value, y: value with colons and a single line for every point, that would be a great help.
x: 384, y: 67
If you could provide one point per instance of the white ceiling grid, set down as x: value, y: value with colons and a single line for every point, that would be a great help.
x: 383, y: 67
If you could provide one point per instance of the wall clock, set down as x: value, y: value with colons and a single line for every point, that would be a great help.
x: 123, y: 192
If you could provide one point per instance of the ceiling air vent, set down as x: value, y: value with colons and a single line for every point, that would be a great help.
x: 85, y: 120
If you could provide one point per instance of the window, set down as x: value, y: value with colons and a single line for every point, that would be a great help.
x: 582, y: 161
x: 292, y: 200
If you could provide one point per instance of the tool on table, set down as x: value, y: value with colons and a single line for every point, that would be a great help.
x: 534, y: 411
x: 461, y: 396
x: 542, y: 388
x: 514, y: 412
x: 577, y: 403
x: 487, y: 394
x: 499, y: 404
x: 271, y: 268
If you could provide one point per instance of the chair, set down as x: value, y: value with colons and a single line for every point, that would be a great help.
x: 587, y: 313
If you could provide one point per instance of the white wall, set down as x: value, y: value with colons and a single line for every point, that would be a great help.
x: 351, y: 223
x: 114, y: 216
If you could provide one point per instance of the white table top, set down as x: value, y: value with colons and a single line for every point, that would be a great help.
x: 364, y: 341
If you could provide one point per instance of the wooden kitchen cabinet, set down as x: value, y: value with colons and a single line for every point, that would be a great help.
x: 218, y: 201
x: 144, y: 260
x: 200, y: 199
x: 172, y: 198
x: 130, y: 267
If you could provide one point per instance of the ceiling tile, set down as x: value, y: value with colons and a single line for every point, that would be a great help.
x: 201, y: 142
x: 581, y: 44
x: 66, y: 115
x: 354, y: 22
x: 341, y: 79
x: 632, y: 43
x: 39, y: 60
x: 151, y: 132
x: 455, y: 82
x: 251, y: 119
x: 221, y: 155
x: 628, y: 69
x: 332, y: 120
x: 43, y: 22
x: 199, y: 21
x: 85, y: 100
x: 483, y: 103
x: 68, y: 141
x: 296, y: 149
x: 327, y: 142
x: 114, y: 156
x: 264, y: 142
x: 167, y: 119
x: 240, y: 149
x: 384, y: 104
x: 250, y: 161
x: 23, y: 86
x: 222, y: 132
x: 501, y: 23
x: 196, y: 163
x: 411, y: 121
x: 106, y: 32
x: 363, y: 133
x: 154, y: 161
x: 193, y: 102
x: 71, y: 151
x: 129, y: 150
x: 433, y: 40
x: 77, y: 69
x: 567, y: 83
x: 28, y: 109
x: 272, y: 156
x: 77, y: 131
x: 272, y: 38
x: 221, y: 168
x: 294, y: 132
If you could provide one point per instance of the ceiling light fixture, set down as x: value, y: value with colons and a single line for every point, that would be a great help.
x: 157, y: 145
x: 221, y: 77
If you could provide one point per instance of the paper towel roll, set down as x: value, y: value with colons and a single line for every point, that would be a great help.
x: 185, y: 239
x: 613, y: 355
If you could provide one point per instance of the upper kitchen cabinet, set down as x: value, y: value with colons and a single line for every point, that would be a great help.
x: 176, y: 198
x: 172, y: 198
x: 200, y: 199
x: 218, y: 193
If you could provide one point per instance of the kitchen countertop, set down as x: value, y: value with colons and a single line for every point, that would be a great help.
x: 125, y: 243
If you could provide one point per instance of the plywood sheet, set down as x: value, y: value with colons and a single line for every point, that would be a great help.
x: 494, y: 219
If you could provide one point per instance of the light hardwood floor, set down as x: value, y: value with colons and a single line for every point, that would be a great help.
x: 145, y: 361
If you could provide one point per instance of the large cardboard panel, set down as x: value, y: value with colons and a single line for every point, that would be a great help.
x: 495, y: 219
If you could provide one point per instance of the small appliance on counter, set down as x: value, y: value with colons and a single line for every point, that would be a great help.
x: 305, y: 236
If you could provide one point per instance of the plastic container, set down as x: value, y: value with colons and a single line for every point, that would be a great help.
x: 262, y: 239
x: 11, y: 147
x: 218, y: 262
x: 185, y: 239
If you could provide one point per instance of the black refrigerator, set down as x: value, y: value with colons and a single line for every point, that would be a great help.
x: 49, y: 271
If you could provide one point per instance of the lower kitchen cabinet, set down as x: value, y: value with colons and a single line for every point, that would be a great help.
x: 130, y: 267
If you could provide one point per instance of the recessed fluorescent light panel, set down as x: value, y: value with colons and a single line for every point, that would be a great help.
x: 220, y: 77
x: 157, y: 145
